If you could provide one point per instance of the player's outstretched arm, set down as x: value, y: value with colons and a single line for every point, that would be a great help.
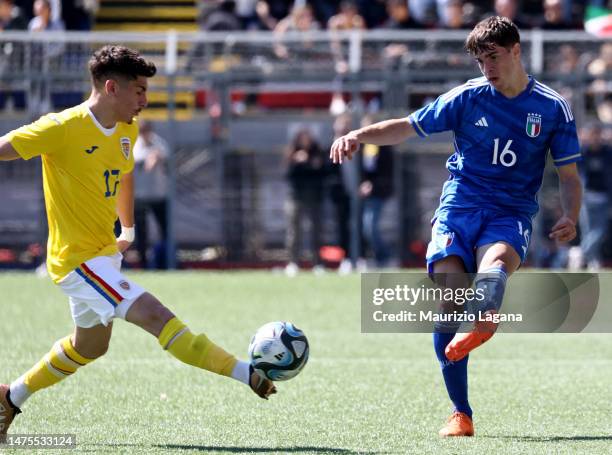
x: 7, y: 151
x: 387, y: 132
x: 570, y: 190
x: 125, y: 210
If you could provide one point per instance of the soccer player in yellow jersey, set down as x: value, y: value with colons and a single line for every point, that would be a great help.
x: 87, y: 162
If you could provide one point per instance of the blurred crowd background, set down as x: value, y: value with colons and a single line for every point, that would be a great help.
x: 282, y: 15
x: 232, y: 160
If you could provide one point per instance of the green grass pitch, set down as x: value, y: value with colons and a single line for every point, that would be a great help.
x: 371, y: 394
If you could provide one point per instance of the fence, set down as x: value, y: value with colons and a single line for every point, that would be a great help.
x: 228, y: 103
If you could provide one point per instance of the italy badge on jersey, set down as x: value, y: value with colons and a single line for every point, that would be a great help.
x: 125, y: 147
x: 534, y: 125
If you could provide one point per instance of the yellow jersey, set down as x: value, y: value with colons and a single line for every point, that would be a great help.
x: 83, y: 163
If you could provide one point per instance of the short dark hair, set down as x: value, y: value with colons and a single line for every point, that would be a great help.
x: 491, y: 31
x: 110, y: 61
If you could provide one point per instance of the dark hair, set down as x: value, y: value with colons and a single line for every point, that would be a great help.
x: 110, y: 61
x: 489, y: 32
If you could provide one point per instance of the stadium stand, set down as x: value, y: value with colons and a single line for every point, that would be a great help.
x: 147, y: 15
x: 230, y: 109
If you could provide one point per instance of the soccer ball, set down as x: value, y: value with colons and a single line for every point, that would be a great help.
x: 278, y: 351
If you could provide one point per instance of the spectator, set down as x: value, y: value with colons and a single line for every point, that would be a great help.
x: 399, y: 16
x: 554, y: 18
x: 324, y: 9
x: 374, y: 12
x: 601, y: 88
x: 11, y: 55
x: 425, y: 11
x: 595, y: 168
x: 279, y: 9
x: 11, y: 16
x: 454, y: 18
x: 151, y: 153
x: 567, y: 60
x: 245, y: 12
x: 215, y: 16
x: 45, y: 58
x: 265, y: 19
x: 510, y: 9
x: 301, y: 20
x: 56, y: 10
x: 375, y: 189
x: 222, y: 17
x: 602, y: 65
x: 348, y: 18
x: 339, y: 190
x: 395, y: 54
x: 42, y: 20
x: 79, y: 14
x: 604, y: 110
x: 304, y: 159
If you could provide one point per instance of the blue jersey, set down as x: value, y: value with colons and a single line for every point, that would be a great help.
x: 500, y: 144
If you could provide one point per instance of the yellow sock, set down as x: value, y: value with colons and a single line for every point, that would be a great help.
x: 59, y: 363
x: 196, y: 350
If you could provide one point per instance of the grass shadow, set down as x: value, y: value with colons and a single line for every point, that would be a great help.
x: 294, y: 449
x: 237, y: 449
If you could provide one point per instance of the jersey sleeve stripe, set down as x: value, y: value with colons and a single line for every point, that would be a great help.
x: 546, y: 88
x: 547, y: 95
x: 446, y: 97
x: 454, y: 93
x: 415, y: 123
x: 567, y: 158
x: 563, y: 101
x: 564, y: 106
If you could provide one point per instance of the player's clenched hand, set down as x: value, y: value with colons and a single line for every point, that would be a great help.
x: 564, y: 230
x: 344, y: 146
x: 123, y: 245
x: 126, y: 238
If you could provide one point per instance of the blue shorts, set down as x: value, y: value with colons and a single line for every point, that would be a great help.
x: 461, y: 232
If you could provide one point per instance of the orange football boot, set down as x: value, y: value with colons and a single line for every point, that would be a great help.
x: 459, y: 424
x: 463, y: 343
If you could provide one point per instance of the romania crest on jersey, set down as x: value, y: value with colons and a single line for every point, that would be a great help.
x: 125, y: 147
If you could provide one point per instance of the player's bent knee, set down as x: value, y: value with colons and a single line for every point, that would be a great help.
x: 149, y: 313
x: 449, y: 264
x: 450, y: 272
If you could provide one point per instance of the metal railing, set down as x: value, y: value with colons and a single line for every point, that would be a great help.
x: 45, y: 71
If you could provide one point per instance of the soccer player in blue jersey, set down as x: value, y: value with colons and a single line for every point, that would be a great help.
x: 504, y: 124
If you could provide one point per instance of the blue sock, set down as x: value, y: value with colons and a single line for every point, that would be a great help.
x: 455, y: 374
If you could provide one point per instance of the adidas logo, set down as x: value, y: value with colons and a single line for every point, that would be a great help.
x: 482, y: 122
x: 279, y: 356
